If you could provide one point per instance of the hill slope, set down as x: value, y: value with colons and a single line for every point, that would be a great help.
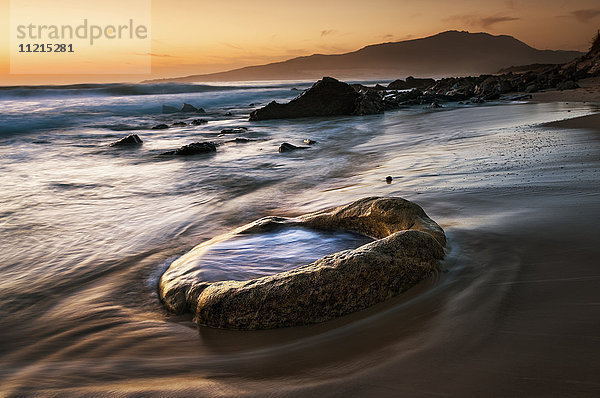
x: 448, y: 53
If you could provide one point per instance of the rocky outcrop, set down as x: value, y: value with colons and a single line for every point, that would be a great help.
x: 198, y: 122
x: 195, y: 148
x: 585, y: 66
x: 130, y: 140
x: 327, y: 97
x: 524, y: 79
x: 408, y: 249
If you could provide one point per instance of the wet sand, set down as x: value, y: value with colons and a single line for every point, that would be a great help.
x: 591, y: 122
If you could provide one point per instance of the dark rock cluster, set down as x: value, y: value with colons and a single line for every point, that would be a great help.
x: 327, y: 97
x: 525, y: 79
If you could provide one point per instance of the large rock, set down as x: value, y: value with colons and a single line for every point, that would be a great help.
x: 408, y: 249
x: 327, y: 97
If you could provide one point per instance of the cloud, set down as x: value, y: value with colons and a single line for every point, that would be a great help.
x: 230, y: 45
x: 585, y: 15
x: 328, y: 32
x: 156, y: 55
x: 484, y: 22
x: 490, y: 21
x: 160, y: 55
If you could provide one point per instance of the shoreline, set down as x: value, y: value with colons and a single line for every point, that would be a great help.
x: 589, y: 91
x: 590, y: 122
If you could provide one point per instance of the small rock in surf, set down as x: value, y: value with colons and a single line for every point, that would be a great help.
x: 194, y: 148
x: 160, y: 127
x: 130, y: 140
x: 286, y: 147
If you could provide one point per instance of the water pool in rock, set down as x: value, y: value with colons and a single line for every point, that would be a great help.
x: 250, y: 256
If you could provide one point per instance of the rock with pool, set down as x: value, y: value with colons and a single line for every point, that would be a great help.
x: 281, y: 272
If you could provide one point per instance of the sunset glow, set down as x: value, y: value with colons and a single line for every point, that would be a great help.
x: 191, y: 37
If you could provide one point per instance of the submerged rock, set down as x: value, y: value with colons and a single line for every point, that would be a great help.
x: 198, y: 122
x: 160, y: 127
x: 194, y: 148
x: 169, y: 109
x: 235, y: 130
x: 191, y: 108
x: 185, y: 108
x: 327, y: 97
x: 179, y: 124
x: 287, y: 147
x: 130, y: 140
x: 408, y: 250
x: 241, y: 140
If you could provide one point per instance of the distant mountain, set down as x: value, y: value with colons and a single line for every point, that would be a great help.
x: 450, y: 53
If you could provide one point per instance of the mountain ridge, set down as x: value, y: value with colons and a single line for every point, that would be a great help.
x: 457, y: 53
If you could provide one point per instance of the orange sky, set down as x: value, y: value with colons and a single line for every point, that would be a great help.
x: 190, y: 37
